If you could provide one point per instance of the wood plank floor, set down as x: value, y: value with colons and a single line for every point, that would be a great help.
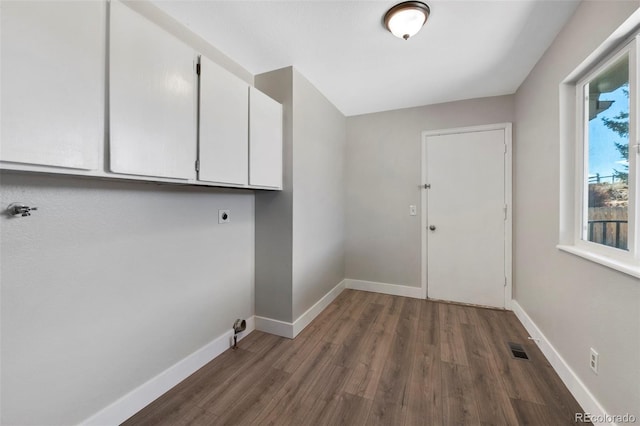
x: 373, y: 359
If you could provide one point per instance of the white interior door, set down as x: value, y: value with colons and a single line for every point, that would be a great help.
x: 466, y: 217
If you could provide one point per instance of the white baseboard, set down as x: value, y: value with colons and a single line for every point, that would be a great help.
x: 578, y: 389
x: 291, y: 330
x: 304, y: 319
x: 272, y: 326
x: 137, y: 399
x: 392, y: 289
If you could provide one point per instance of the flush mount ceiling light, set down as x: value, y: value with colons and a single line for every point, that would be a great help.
x: 405, y: 19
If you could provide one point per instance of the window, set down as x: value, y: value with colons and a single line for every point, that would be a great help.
x: 605, y: 98
x: 607, y: 150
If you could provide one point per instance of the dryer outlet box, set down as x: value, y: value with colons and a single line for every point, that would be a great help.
x: 224, y: 216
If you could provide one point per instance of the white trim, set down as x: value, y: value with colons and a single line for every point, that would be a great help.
x: 423, y: 218
x: 508, y: 226
x: 291, y: 330
x: 273, y: 326
x: 572, y: 159
x: 508, y: 198
x: 578, y: 389
x: 143, y: 395
x: 467, y: 129
x: 384, y: 288
x: 581, y: 171
x: 621, y: 266
x: 107, y: 175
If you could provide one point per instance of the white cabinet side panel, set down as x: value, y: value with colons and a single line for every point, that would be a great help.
x: 152, y: 90
x: 52, y: 84
x: 224, y: 122
x: 265, y: 140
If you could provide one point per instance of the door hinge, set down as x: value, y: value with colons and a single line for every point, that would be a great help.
x: 505, y: 211
x: 197, y: 165
x: 198, y: 69
x: 505, y: 281
x: 505, y: 148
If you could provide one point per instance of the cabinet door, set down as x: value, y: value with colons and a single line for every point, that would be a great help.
x: 265, y: 140
x: 152, y: 99
x: 224, y: 123
x: 53, y: 66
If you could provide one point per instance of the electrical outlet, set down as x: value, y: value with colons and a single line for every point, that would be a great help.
x: 224, y: 216
x: 593, y: 361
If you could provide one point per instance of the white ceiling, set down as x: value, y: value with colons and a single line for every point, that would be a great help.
x: 467, y: 49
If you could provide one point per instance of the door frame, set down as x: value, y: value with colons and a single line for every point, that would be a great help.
x: 508, y: 188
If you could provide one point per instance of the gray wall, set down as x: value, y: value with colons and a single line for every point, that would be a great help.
x: 109, y: 284
x: 319, y: 132
x: 300, y: 231
x: 576, y: 303
x: 274, y: 214
x: 383, y: 175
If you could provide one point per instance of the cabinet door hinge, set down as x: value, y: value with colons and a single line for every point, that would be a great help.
x: 197, y: 165
x: 198, y: 69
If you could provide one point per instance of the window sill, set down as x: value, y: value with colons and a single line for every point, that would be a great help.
x: 621, y: 266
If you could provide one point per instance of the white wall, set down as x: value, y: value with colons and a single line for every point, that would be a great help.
x: 383, y: 176
x: 319, y: 132
x: 109, y: 284
x: 577, y: 304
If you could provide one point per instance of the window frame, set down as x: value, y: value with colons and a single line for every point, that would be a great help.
x: 627, y: 261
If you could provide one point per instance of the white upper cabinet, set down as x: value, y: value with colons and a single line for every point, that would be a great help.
x: 63, y: 81
x: 52, y: 85
x: 152, y: 103
x: 265, y: 140
x: 224, y: 126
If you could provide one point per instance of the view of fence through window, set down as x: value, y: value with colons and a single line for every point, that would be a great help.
x: 607, y: 141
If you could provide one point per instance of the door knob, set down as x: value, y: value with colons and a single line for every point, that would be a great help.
x: 432, y: 227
